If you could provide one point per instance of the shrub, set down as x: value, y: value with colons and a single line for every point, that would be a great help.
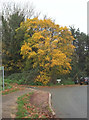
x: 26, y: 77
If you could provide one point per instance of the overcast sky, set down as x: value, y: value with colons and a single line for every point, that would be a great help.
x: 65, y: 12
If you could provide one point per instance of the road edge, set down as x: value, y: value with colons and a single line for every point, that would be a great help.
x: 49, y: 101
x: 50, y: 104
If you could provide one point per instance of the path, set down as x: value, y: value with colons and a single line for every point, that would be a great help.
x: 9, y: 103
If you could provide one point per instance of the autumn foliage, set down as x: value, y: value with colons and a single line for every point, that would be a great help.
x: 47, y: 46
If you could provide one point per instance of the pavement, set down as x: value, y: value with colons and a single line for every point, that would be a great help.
x: 9, y: 103
x: 69, y: 101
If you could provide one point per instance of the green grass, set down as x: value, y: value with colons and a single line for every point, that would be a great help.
x: 10, y: 91
x: 27, y: 110
x: 51, y: 84
x: 8, y: 86
x: 66, y: 82
x: 22, y: 112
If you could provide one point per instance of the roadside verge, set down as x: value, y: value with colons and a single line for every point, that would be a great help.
x: 38, y: 106
x: 42, y: 100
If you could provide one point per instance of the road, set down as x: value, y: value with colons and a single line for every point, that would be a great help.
x: 70, y: 101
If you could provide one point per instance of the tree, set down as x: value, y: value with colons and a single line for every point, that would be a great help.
x: 47, y: 46
x: 11, y: 8
x: 79, y: 57
x: 10, y: 46
x: 12, y: 16
x: 87, y: 56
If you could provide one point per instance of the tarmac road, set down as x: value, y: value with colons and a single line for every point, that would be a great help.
x: 69, y: 101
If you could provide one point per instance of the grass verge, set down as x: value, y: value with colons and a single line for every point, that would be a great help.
x: 25, y: 109
x: 9, y: 88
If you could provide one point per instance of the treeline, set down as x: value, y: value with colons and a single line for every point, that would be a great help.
x: 13, y: 39
x: 80, y: 59
x: 12, y: 16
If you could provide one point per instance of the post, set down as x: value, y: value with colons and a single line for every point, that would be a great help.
x: 3, y: 77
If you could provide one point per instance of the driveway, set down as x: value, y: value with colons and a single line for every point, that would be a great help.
x: 69, y: 101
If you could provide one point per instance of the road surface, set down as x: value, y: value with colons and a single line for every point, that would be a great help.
x: 69, y: 102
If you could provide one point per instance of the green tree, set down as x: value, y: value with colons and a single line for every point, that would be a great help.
x: 79, y: 57
x: 10, y: 46
x: 12, y: 16
x: 87, y: 56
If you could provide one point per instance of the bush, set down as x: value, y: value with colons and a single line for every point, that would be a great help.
x: 26, y: 77
x: 67, y: 81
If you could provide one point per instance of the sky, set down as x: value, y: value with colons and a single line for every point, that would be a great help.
x: 64, y: 12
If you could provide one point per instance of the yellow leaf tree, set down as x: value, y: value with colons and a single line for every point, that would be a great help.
x: 48, y: 46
